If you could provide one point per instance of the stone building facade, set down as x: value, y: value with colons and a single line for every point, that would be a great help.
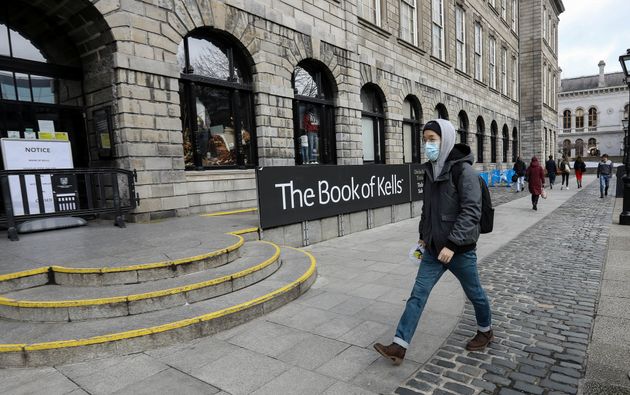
x: 364, y: 75
x: 540, y: 76
x: 590, y: 112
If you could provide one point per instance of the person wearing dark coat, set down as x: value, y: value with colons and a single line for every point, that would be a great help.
x: 580, y: 167
x: 536, y: 181
x: 519, y: 169
x: 552, y: 169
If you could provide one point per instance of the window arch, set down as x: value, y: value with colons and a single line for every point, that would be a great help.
x: 506, y: 142
x: 579, y: 120
x: 217, y: 102
x: 313, y: 114
x: 481, y: 131
x: 592, y: 118
x: 412, y: 129
x: 493, y: 141
x: 462, y: 131
x: 625, y: 111
x: 592, y: 147
x: 373, y: 124
x: 514, y: 144
x: 566, y: 121
x: 579, y: 147
x: 566, y: 148
x: 441, y: 112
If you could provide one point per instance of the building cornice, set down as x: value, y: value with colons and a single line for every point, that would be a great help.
x: 597, y: 91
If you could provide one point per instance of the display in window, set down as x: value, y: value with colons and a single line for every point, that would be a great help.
x: 310, y: 125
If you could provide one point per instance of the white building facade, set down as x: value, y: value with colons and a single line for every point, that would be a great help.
x: 590, y: 112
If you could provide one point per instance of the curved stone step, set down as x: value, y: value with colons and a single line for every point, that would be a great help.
x: 44, y: 344
x: 61, y: 303
x: 130, y: 274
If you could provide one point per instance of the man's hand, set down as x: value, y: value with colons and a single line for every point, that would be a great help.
x: 445, y: 255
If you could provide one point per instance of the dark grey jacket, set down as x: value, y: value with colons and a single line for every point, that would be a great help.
x: 451, y: 214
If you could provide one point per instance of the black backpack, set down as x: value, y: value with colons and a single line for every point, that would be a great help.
x: 486, y: 222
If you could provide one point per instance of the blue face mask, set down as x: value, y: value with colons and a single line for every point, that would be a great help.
x: 432, y: 151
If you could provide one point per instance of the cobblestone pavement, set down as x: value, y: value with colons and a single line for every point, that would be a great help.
x: 543, y: 291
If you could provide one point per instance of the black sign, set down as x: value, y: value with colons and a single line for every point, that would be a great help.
x: 293, y: 194
x: 65, y: 192
x: 104, y: 132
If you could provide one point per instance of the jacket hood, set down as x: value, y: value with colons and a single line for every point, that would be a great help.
x: 534, y: 162
x: 446, y: 145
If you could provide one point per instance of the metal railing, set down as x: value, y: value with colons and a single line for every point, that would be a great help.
x: 34, y: 194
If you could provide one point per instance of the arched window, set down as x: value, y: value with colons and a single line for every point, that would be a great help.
x: 462, y: 131
x: 625, y: 111
x: 592, y: 119
x: 506, y: 143
x: 481, y: 131
x: 514, y: 144
x: 38, y: 95
x: 313, y: 114
x: 493, y: 142
x: 373, y: 124
x: 566, y: 148
x: 412, y: 129
x: 217, y: 102
x: 592, y: 147
x: 579, y: 147
x: 579, y: 120
x: 566, y: 121
x: 441, y: 112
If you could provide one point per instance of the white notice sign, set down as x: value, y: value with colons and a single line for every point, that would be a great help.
x: 34, y: 154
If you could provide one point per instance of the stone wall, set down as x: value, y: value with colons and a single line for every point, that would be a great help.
x: 134, y: 70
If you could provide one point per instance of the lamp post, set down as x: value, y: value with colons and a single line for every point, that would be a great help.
x: 624, y: 217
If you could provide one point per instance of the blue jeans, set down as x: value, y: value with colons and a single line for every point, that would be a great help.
x: 304, y: 154
x: 464, y: 267
x: 312, y: 146
x: 603, y: 183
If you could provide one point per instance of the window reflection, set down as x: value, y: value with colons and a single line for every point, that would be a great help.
x: 43, y: 89
x: 304, y: 83
x: 24, y: 49
x: 23, y: 87
x: 7, y: 84
x: 217, y: 119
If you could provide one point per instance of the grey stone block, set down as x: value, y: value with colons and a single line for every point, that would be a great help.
x: 381, y: 216
x: 23, y: 283
x: 98, y: 311
x: 358, y: 222
x: 157, y: 303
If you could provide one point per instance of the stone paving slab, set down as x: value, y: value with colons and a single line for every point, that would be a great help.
x: 102, y: 244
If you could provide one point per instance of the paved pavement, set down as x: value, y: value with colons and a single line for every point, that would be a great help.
x: 543, y: 287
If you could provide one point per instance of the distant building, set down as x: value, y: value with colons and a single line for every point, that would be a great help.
x: 591, y: 110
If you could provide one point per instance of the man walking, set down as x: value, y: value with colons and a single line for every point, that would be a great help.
x: 604, y: 171
x: 449, y: 229
x: 520, y: 168
x: 552, y: 169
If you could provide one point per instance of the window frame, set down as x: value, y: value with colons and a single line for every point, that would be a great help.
x: 492, y: 59
x: 374, y: 7
x: 438, y: 53
x: 514, y: 25
x: 189, y: 82
x: 592, y: 119
x: 478, y: 51
x: 413, y: 31
x: 504, y: 87
x: 416, y: 129
x: 460, y: 38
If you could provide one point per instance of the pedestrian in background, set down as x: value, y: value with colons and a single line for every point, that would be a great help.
x: 580, y: 168
x: 552, y: 169
x: 536, y: 181
x: 565, y: 169
x: 604, y: 171
x: 519, y: 169
x: 449, y: 230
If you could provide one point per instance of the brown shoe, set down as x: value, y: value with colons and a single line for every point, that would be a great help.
x: 480, y: 341
x: 393, y: 352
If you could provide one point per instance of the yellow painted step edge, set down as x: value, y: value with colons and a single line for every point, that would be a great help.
x: 164, y: 327
x: 144, y: 266
x: 146, y: 295
x: 220, y: 213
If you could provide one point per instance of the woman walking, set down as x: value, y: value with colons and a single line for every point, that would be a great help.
x: 580, y: 167
x: 565, y: 168
x: 536, y: 181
